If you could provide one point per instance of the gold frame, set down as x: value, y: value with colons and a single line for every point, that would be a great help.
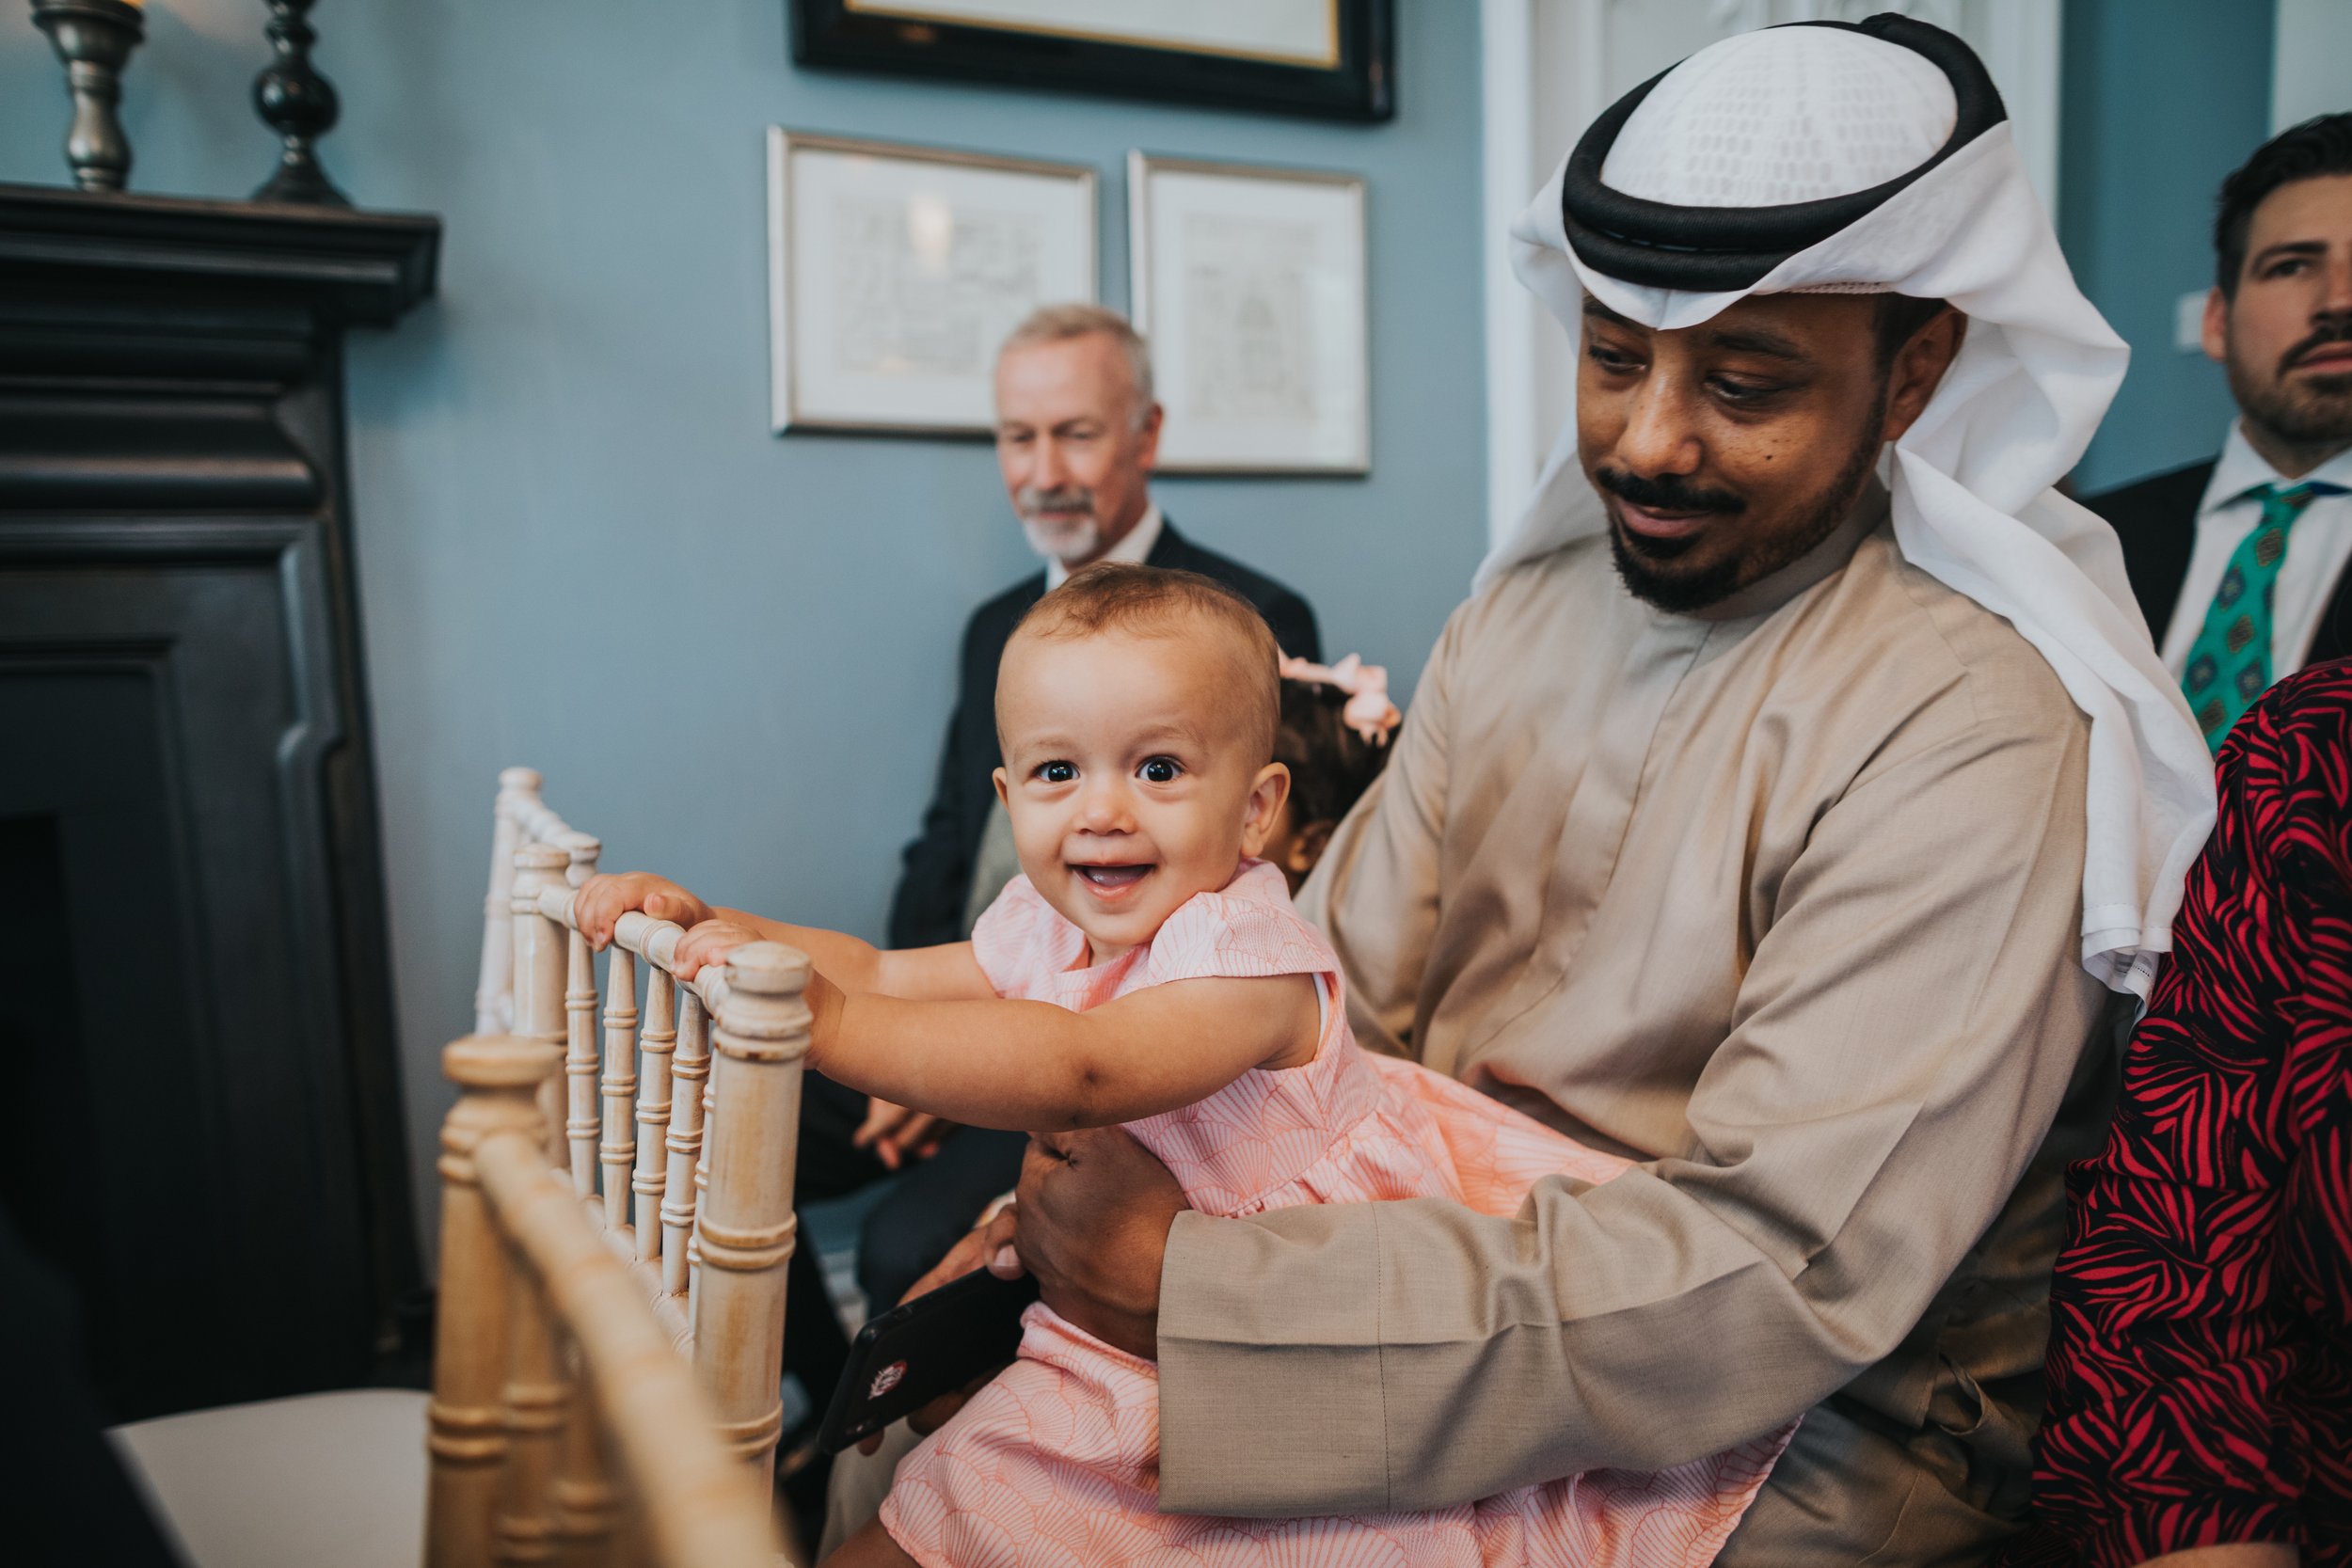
x: 909, y: 10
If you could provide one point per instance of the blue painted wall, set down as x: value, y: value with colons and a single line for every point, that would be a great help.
x: 2162, y: 99
x: 581, y: 549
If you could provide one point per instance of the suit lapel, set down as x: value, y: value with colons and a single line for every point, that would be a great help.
x: 2156, y: 522
x: 1170, y: 550
x: 2333, y: 637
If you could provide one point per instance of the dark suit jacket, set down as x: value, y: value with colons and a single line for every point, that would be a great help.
x: 937, y: 880
x: 2156, y: 519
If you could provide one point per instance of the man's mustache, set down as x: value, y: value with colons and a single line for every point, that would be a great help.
x: 1062, y: 502
x: 2338, y: 330
x: 1668, y: 493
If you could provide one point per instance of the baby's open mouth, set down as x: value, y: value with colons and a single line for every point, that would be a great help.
x: 1112, y: 877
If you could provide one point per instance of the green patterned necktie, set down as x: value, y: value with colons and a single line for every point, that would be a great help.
x: 2229, y: 665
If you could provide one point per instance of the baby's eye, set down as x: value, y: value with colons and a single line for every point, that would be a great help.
x: 1161, y: 770
x: 1056, y: 772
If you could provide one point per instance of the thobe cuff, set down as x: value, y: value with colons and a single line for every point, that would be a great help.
x: 1304, y: 1389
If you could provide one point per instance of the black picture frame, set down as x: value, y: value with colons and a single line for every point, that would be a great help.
x: 831, y: 34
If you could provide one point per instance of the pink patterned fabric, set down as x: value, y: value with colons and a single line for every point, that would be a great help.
x: 1057, y: 1462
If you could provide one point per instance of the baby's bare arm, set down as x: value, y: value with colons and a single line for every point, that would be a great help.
x: 948, y: 973
x: 930, y: 973
x: 1032, y: 1066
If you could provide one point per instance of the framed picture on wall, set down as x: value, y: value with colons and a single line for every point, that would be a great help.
x: 1332, y: 58
x: 893, y: 272
x: 1250, y: 284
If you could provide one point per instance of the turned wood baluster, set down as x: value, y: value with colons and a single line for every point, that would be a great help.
x: 702, y: 1195
x: 701, y: 1507
x: 659, y: 1041
x: 744, y: 1229
x: 587, y: 1504
x: 580, y: 850
x: 579, y: 1006
x: 689, y: 1070
x: 617, y: 1153
x: 493, y: 996
x: 540, y: 944
x: 498, y: 1078
x: 537, y: 1399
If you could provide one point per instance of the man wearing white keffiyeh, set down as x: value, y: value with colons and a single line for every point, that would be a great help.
x: 1794, y: 807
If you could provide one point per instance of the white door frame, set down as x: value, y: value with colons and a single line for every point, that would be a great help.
x: 2020, y: 41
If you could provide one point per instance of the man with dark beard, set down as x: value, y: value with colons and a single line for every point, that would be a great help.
x: 1781, y: 811
x: 1664, y: 532
x: 2243, y: 563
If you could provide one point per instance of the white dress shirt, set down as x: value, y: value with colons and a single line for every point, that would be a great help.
x: 1133, y: 548
x: 2319, y: 547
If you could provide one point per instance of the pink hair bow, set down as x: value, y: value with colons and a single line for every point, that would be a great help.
x: 1368, y: 712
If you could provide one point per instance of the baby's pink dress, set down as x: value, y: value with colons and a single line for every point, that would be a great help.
x: 1057, y: 1461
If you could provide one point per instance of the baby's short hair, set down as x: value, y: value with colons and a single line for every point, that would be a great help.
x: 1157, y: 601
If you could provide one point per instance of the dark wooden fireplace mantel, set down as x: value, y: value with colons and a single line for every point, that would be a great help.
x: 195, y: 996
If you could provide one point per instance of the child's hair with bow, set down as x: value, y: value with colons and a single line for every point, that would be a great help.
x: 1333, y: 736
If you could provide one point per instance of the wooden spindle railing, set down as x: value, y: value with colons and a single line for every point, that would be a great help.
x: 659, y: 1043
x: 616, y: 1155
x: 685, y: 1166
x: 689, y: 1071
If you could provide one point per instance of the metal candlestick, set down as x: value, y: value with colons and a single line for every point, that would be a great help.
x: 299, y: 104
x: 93, y: 38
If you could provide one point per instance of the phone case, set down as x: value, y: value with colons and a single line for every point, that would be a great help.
x: 923, y: 1348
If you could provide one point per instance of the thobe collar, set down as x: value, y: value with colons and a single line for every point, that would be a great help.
x: 1766, y: 595
x: 1134, y: 546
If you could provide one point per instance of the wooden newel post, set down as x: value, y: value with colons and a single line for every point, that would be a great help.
x: 498, y: 1078
x: 744, y: 1224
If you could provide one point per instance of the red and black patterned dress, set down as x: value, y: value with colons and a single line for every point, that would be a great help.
x: 2201, y: 1356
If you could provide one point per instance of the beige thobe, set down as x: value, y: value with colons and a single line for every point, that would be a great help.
x: 1782, y: 901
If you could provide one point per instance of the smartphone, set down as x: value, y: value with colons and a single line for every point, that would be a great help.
x: 923, y: 1348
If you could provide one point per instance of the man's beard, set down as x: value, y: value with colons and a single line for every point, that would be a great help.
x: 1060, y: 524
x: 2316, y: 414
x: 1645, y: 566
